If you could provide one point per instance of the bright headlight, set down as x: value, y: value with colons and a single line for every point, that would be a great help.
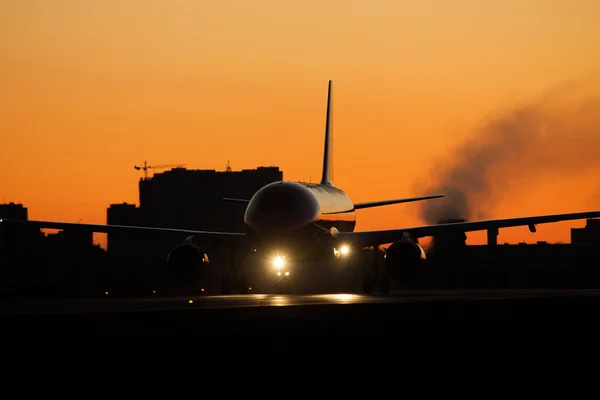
x: 343, y: 251
x: 278, y: 262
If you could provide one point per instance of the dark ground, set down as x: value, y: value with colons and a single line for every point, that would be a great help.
x: 533, y: 344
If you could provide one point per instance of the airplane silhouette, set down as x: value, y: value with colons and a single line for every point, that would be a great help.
x: 292, y: 221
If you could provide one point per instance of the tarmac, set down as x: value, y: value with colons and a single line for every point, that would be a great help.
x: 159, y: 303
x: 485, y: 341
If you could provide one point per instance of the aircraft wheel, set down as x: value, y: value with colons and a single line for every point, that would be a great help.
x: 384, y: 284
x: 287, y: 287
x: 226, y: 283
x: 367, y: 283
x: 282, y: 287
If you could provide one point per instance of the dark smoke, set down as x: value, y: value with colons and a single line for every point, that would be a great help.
x: 554, y: 137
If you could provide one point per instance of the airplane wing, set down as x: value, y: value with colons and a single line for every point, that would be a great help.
x: 226, y: 238
x: 236, y: 200
x: 373, y: 238
x: 358, y: 206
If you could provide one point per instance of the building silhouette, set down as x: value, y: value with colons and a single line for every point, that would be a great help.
x: 123, y: 214
x: 590, y: 234
x: 193, y: 199
x: 13, y: 211
x: 34, y: 264
x: 17, y: 238
x: 184, y: 199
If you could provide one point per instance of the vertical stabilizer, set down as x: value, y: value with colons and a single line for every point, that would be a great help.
x: 327, y: 178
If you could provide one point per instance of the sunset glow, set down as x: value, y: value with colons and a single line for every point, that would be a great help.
x: 88, y: 89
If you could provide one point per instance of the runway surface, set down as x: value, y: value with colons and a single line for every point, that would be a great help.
x: 493, y: 339
x: 24, y: 307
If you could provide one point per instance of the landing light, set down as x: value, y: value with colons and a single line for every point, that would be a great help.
x: 343, y: 251
x: 278, y: 262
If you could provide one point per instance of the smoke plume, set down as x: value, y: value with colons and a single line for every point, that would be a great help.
x: 556, y: 136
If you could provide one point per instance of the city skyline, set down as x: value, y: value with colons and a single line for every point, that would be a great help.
x: 102, y: 238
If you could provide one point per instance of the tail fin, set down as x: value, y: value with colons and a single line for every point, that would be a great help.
x: 327, y: 178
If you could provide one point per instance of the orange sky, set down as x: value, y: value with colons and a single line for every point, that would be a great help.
x: 90, y: 88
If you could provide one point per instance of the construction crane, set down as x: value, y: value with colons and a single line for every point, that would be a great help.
x: 146, y: 167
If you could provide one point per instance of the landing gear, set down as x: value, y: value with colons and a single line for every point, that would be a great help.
x: 235, y: 278
x: 242, y: 283
x: 282, y: 286
x: 384, y: 283
x: 227, y: 283
x: 378, y: 277
x: 367, y: 283
x: 239, y: 282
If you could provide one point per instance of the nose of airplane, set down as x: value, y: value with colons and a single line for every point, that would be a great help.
x: 281, y: 207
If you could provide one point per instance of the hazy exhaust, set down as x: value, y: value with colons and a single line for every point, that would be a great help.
x: 555, y: 136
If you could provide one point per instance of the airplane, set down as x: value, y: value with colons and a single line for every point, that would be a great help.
x: 288, y: 222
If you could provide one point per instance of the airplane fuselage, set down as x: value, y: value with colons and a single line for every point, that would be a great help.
x: 297, y: 216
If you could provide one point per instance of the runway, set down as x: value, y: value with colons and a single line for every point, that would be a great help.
x: 109, y: 305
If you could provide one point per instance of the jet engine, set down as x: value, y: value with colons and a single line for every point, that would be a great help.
x: 187, y: 262
x: 404, y: 258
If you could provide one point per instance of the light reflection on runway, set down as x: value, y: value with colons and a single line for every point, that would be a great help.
x: 268, y: 300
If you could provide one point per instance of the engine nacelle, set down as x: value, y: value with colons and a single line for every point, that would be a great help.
x: 187, y: 263
x: 404, y: 258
